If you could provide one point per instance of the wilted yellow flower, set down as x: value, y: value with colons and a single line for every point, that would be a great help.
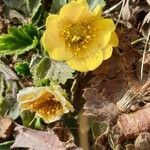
x: 48, y: 103
x: 79, y: 36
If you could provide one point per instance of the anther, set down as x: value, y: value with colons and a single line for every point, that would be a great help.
x: 48, y: 113
x: 88, y: 27
x: 84, y: 46
x: 88, y: 36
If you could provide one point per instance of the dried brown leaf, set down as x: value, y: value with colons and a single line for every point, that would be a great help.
x: 105, y: 88
x: 143, y: 141
x: 6, y: 127
x: 144, y: 92
x: 130, y: 147
x: 98, y: 147
x: 132, y: 124
x: 37, y: 140
x: 147, y: 59
x: 70, y: 145
x: 133, y: 12
x: 110, y: 82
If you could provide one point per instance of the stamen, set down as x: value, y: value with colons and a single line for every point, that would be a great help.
x: 89, y: 27
x: 88, y: 36
x: 84, y: 46
x: 77, y: 36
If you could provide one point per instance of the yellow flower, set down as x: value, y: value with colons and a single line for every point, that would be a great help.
x: 79, y: 36
x: 48, y: 103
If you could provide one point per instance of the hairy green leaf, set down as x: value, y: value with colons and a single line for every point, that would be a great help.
x: 8, y: 104
x: 14, y: 16
x: 7, y: 72
x: 30, y: 120
x: 26, y: 7
x: 22, y: 68
x: 27, y: 118
x: 98, y: 129
x: 94, y: 3
x: 60, y: 72
x: 2, y: 86
x: 56, y: 5
x: 43, y: 67
x: 52, y: 70
x: 6, y: 145
x: 19, y: 40
x: 8, y: 92
x: 40, y: 16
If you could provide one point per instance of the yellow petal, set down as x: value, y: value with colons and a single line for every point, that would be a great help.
x: 84, y: 2
x: 49, y: 116
x: 74, y: 10
x: 29, y: 94
x: 97, y: 11
x: 51, y: 37
x: 66, y: 104
x: 49, y: 18
x: 55, y: 46
x: 102, y: 29
x: 114, y: 40
x: 60, y: 54
x: 89, y: 61
x: 46, y: 102
x: 107, y: 52
x: 104, y: 24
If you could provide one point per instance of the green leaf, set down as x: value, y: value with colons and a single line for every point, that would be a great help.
x: 26, y: 7
x: 34, y: 6
x: 40, y: 16
x: 56, y: 5
x: 27, y: 118
x: 94, y: 3
x: 13, y: 16
x: 98, y: 128
x: 52, y: 70
x: 42, y: 68
x: 60, y: 72
x: 38, y: 123
x: 30, y: 120
x: 6, y: 145
x: 9, y: 105
x: 22, y: 68
x: 19, y: 40
x: 8, y: 91
x: 2, y: 88
x: 7, y: 72
x: 25, y: 11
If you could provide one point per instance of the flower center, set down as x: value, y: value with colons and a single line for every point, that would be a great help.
x: 77, y: 36
x: 46, y: 105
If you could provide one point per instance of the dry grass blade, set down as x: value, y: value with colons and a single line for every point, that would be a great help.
x: 83, y: 131
x: 134, y: 95
x: 128, y: 99
x: 143, y: 59
x: 112, y: 8
x: 123, y: 3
